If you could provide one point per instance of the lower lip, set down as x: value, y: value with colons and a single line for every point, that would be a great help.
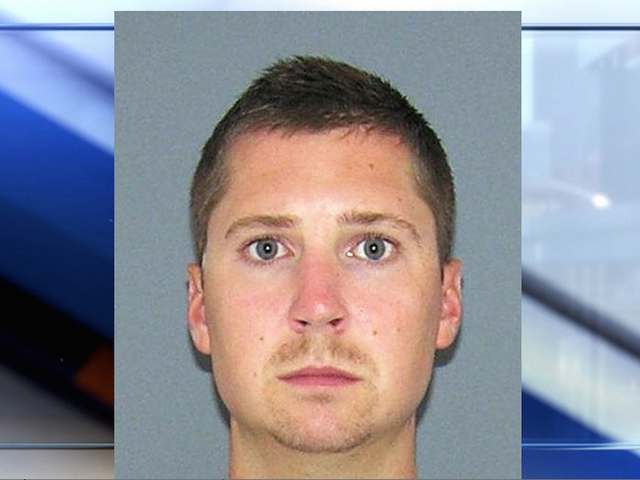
x: 320, y: 380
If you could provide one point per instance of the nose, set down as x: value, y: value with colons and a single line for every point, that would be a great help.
x: 317, y: 303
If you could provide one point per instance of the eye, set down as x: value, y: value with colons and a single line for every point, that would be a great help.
x: 266, y: 249
x: 372, y: 248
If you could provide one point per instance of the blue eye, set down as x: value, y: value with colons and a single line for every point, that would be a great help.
x: 373, y: 249
x: 265, y: 249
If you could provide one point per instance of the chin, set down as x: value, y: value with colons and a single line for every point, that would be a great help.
x: 322, y: 439
x: 323, y: 421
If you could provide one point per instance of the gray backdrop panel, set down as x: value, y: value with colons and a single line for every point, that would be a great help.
x: 176, y: 75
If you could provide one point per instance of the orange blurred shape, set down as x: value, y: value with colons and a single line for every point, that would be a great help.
x: 95, y: 376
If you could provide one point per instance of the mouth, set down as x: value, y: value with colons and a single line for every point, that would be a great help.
x: 320, y: 376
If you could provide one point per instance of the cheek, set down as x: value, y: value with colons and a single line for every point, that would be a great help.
x: 241, y: 306
x: 403, y: 331
x: 401, y: 324
x: 242, y: 327
x: 399, y: 305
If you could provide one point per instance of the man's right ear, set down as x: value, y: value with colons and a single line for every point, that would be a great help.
x: 198, y: 326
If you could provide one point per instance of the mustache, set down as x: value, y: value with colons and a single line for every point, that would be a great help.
x: 322, y: 350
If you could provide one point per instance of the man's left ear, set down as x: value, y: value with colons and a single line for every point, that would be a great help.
x: 451, y: 310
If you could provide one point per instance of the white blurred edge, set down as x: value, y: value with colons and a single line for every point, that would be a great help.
x: 533, y: 11
x: 57, y: 463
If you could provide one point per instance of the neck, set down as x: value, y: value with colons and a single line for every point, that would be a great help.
x: 260, y: 456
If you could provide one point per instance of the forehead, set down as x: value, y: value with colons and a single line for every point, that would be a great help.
x: 335, y: 156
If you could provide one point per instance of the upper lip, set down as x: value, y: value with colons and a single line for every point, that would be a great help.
x: 313, y: 371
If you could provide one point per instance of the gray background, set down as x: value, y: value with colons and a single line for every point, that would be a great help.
x: 176, y: 75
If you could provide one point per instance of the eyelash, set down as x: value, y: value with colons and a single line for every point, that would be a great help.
x: 244, y: 248
x: 377, y: 236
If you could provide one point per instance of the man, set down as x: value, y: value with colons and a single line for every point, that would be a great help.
x: 322, y: 212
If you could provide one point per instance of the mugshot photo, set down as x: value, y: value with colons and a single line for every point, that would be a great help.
x: 317, y: 245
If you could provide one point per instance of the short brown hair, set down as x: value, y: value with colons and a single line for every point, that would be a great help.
x: 315, y: 94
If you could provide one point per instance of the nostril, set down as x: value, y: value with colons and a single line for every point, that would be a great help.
x: 335, y: 322
x: 302, y: 324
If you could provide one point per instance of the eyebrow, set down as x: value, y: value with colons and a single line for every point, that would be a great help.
x: 269, y: 221
x: 367, y: 218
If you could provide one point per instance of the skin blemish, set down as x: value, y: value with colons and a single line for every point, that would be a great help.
x: 262, y: 339
x: 371, y: 166
x: 375, y: 332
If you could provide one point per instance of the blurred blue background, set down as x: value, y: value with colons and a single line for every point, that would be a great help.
x: 56, y: 171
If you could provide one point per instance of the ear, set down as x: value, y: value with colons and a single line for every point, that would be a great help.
x: 451, y: 312
x: 196, y: 317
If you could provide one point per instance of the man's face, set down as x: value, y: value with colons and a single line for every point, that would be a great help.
x: 321, y: 299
